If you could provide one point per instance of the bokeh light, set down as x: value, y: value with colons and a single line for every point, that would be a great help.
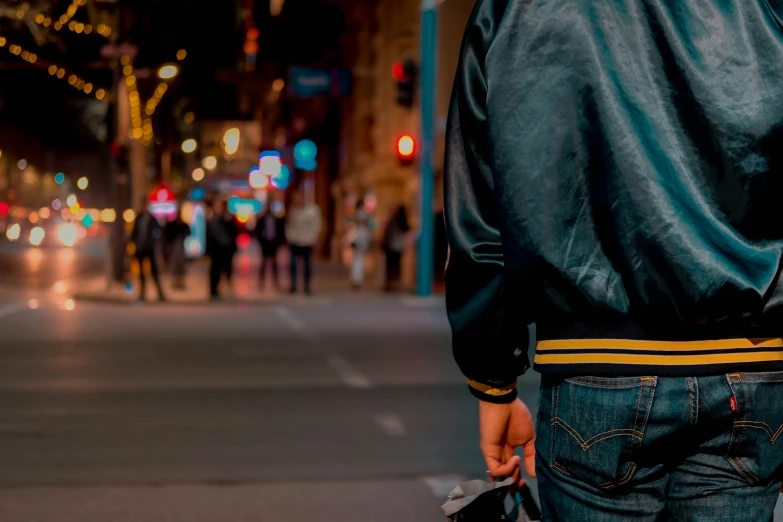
x: 108, y: 215
x: 210, y: 162
x: 13, y: 232
x: 168, y: 72
x: 231, y: 141
x: 67, y: 234
x: 37, y: 235
x: 189, y: 146
x: 258, y: 179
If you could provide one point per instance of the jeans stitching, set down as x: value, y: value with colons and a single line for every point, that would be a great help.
x: 737, y: 434
x: 625, y: 479
x: 754, y: 477
x: 738, y: 466
x: 762, y: 377
x: 773, y: 436
x: 587, y: 444
x: 638, y: 405
x: 561, y: 469
x: 696, y: 387
x: 635, y: 434
x: 607, y: 383
x: 649, y: 407
x: 690, y: 400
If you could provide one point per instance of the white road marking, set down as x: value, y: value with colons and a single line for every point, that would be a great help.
x: 13, y: 308
x: 350, y: 376
x: 293, y: 322
x: 348, y: 373
x: 391, y: 424
x: 442, y: 485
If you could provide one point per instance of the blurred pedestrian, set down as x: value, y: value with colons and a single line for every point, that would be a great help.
x: 362, y: 239
x: 175, y: 233
x: 270, y: 232
x: 220, y: 247
x: 302, y: 229
x: 232, y: 229
x: 146, y: 234
x: 610, y: 180
x: 395, y: 238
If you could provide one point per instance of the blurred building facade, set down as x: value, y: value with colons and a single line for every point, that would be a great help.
x: 382, y: 33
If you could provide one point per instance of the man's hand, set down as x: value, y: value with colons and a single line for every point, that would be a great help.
x: 504, y: 427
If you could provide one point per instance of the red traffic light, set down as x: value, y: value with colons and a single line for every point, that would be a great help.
x: 4, y: 208
x: 398, y: 71
x: 406, y: 146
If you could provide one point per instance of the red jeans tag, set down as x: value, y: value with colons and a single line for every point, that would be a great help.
x: 733, y: 404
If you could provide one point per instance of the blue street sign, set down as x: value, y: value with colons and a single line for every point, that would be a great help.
x: 307, y: 82
x: 305, y: 150
x: 308, y: 165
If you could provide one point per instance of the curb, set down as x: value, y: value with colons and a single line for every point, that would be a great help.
x: 315, y: 300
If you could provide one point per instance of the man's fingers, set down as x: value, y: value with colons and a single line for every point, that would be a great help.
x: 498, y: 469
x: 508, y: 452
x: 530, y: 458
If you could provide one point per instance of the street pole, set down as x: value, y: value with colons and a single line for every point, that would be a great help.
x: 119, y: 178
x: 429, y: 36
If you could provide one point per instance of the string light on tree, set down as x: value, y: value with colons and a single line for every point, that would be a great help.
x: 53, y: 69
x: 134, y: 100
x: 167, y: 72
x: 65, y: 18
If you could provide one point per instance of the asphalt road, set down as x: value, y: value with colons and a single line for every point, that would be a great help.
x: 331, y: 409
x: 296, y: 410
x: 24, y: 267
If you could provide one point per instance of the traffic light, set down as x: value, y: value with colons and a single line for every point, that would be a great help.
x: 405, y: 74
x: 406, y: 149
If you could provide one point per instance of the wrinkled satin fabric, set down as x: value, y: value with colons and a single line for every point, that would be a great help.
x: 610, y: 159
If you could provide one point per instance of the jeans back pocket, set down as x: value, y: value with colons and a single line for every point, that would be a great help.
x: 597, y: 424
x: 756, y: 451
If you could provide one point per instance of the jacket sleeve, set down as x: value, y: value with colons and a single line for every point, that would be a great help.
x: 485, y: 348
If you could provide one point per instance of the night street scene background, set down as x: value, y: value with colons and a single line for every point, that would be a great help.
x: 286, y: 128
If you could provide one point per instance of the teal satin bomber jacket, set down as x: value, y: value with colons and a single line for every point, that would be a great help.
x: 614, y: 174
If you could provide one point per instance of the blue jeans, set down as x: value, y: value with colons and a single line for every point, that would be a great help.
x: 660, y: 448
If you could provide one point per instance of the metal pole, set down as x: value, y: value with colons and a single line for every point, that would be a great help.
x: 429, y: 36
x: 118, y: 187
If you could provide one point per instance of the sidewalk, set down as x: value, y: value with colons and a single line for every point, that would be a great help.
x: 330, y: 283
